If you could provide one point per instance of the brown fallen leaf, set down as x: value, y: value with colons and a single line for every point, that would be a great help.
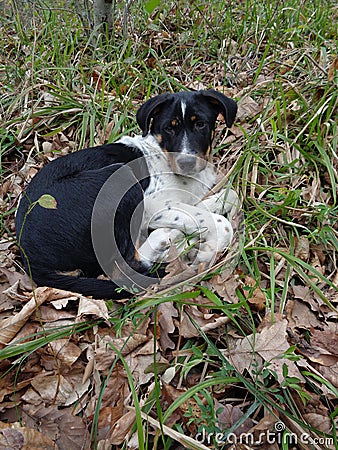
x: 122, y: 427
x: 90, y: 307
x: 247, y: 108
x: 225, y: 285
x: 140, y: 359
x: 322, y: 423
x: 52, y: 388
x: 300, y: 316
x: 10, y: 326
x: 267, y: 423
x: 23, y: 280
x: 326, y: 339
x: 105, y: 353
x: 302, y: 249
x: 255, y: 295
x: 192, y: 314
x: 108, y: 416
x: 65, y: 351
x: 269, y: 344
x: 73, y: 433
x: 166, y: 313
x: 8, y: 385
x: 330, y: 373
x: 14, y: 436
x: 333, y: 70
x: 228, y: 415
x: 177, y: 270
x: 169, y: 395
x: 7, y: 303
x: 301, y: 292
x: 49, y: 314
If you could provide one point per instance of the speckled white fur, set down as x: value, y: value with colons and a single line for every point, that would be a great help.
x: 173, y: 205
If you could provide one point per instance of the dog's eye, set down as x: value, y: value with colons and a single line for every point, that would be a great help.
x: 170, y: 129
x: 200, y: 124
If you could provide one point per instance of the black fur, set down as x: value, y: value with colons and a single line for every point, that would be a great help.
x: 59, y: 240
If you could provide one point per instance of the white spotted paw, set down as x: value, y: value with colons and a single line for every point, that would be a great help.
x: 157, y: 245
x: 217, y: 239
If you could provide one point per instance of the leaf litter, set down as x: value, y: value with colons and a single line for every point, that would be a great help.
x: 72, y: 379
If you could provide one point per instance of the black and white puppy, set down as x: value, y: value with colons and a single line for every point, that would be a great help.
x: 109, y: 198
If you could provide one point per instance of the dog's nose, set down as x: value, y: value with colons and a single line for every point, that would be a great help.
x: 186, y: 163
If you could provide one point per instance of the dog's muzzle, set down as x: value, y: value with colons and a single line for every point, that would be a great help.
x: 187, y: 164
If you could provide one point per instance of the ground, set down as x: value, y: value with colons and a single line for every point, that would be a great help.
x: 244, y: 356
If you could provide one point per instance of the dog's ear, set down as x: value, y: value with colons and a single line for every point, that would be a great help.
x: 149, y: 110
x: 223, y: 104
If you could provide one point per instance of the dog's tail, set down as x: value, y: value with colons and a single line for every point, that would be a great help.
x: 93, y: 287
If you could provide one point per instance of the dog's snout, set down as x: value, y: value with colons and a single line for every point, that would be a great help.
x: 186, y: 163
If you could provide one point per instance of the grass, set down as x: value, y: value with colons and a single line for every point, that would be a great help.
x: 63, y: 86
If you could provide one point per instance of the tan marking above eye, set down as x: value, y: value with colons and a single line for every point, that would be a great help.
x: 193, y: 118
x: 174, y: 122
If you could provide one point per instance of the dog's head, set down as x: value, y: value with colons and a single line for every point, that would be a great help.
x: 183, y: 125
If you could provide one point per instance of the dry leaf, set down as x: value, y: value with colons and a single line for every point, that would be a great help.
x: 140, y: 359
x: 21, y: 279
x: 322, y: 423
x: 255, y: 296
x: 300, y: 316
x: 52, y: 388
x: 73, y: 433
x: 330, y: 374
x: 225, y: 285
x: 122, y: 428
x: 166, y: 312
x: 326, y: 339
x: 14, y: 436
x: 333, y: 69
x: 176, y: 270
x: 108, y: 416
x: 48, y: 313
x: 64, y: 351
x: 228, y: 415
x: 105, y: 353
x: 302, y: 250
x: 11, y: 326
x: 269, y: 344
x: 247, y: 108
x: 90, y: 307
x: 206, y: 321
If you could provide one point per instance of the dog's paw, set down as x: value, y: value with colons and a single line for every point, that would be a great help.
x: 156, y: 247
x: 217, y: 239
x: 223, y: 202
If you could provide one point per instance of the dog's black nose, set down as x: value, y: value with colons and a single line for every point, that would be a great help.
x: 186, y: 163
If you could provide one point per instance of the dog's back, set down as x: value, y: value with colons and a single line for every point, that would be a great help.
x: 54, y: 241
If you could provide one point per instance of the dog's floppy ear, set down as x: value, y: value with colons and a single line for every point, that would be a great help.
x: 148, y: 110
x: 223, y: 104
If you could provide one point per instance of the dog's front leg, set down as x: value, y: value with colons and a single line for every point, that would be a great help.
x: 213, y: 231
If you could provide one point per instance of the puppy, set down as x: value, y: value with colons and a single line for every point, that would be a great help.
x: 120, y: 206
